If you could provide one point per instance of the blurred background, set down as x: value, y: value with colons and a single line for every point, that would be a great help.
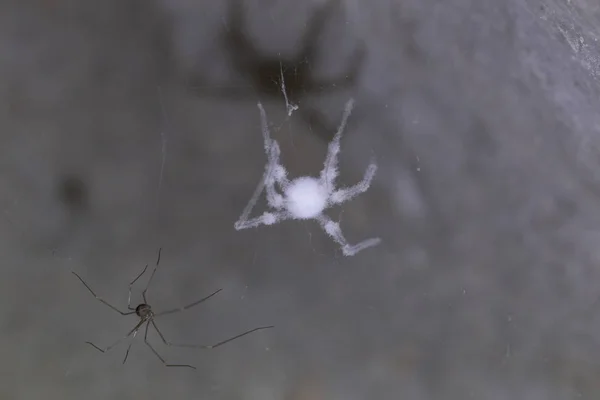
x: 132, y: 125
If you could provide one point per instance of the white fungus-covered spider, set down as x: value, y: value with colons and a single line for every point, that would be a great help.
x: 306, y: 197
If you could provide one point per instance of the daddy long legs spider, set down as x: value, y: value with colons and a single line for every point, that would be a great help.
x: 147, y: 316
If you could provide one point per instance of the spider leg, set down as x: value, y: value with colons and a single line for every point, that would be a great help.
x: 212, y: 346
x: 330, y: 170
x: 333, y: 229
x: 278, y: 172
x: 129, y: 347
x: 101, y: 299
x: 267, y: 218
x: 274, y: 172
x: 271, y: 146
x: 131, y: 285
x: 151, y: 276
x: 188, y: 306
x: 252, y: 202
x: 264, y: 127
x: 274, y: 199
x: 158, y: 355
x: 345, y: 194
x: 133, y: 332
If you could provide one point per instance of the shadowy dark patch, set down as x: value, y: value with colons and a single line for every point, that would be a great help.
x: 266, y: 73
x: 73, y: 192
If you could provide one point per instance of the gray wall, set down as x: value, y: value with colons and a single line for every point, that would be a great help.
x: 483, y: 117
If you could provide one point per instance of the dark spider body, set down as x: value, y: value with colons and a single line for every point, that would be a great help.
x: 268, y: 74
x: 147, y: 316
x: 73, y: 193
x: 144, y: 311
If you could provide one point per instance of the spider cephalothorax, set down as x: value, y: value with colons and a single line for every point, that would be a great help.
x: 306, y: 197
x: 144, y: 311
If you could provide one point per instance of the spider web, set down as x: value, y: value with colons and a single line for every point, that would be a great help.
x: 163, y: 137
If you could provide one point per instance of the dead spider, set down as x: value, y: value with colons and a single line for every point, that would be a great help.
x: 272, y: 75
x: 147, y: 315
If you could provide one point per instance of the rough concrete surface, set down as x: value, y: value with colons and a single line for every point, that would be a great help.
x: 483, y: 116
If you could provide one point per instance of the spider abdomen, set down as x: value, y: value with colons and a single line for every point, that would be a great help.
x: 305, y: 198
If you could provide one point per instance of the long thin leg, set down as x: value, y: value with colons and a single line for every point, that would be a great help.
x: 267, y: 218
x: 333, y: 230
x: 267, y: 180
x: 151, y: 276
x: 133, y: 332
x: 345, y: 194
x: 101, y: 299
x: 129, y: 347
x: 131, y: 285
x: 277, y: 171
x: 159, y: 356
x: 252, y: 202
x: 271, y: 146
x: 264, y: 128
x: 330, y: 167
x: 188, y: 306
x: 278, y: 174
x: 207, y: 346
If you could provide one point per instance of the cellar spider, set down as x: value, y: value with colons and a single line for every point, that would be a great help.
x: 147, y: 315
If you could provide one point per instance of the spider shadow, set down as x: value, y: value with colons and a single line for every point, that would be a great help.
x: 271, y: 75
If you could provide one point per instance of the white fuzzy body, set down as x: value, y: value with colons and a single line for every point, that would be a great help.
x: 305, y: 198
